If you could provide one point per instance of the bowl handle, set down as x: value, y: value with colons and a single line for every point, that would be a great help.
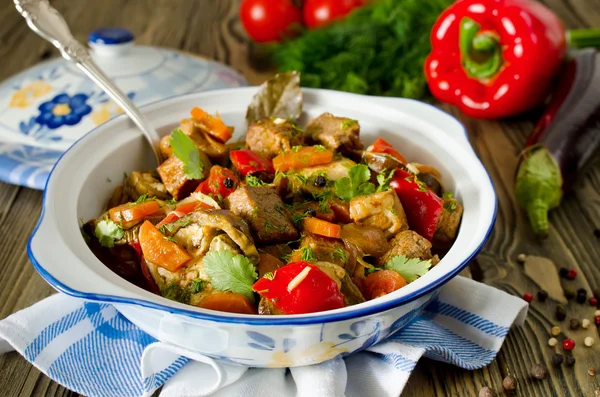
x: 180, y: 331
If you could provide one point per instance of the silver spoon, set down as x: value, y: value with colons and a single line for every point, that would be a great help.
x: 47, y: 22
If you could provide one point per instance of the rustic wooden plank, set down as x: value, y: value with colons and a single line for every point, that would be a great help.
x: 212, y: 29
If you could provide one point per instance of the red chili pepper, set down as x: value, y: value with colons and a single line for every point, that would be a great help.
x: 422, y: 206
x: 221, y: 183
x: 495, y: 58
x: 247, y: 162
x: 296, y: 290
x: 382, y: 146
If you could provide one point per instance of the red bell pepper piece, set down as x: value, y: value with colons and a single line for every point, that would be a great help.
x: 382, y: 146
x: 221, y: 183
x: 300, y: 287
x: 247, y: 162
x: 495, y: 58
x: 422, y: 206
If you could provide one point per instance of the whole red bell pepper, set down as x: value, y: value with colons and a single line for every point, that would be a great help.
x: 221, y: 183
x: 495, y: 58
x: 422, y: 206
x: 300, y: 287
x: 247, y: 162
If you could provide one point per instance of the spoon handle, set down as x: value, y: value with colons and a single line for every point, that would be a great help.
x: 47, y: 22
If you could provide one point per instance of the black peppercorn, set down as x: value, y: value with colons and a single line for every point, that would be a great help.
x: 597, y: 233
x: 561, y: 314
x: 563, y: 271
x: 228, y: 183
x: 569, y: 293
x: 320, y: 181
x: 557, y: 359
x: 574, y: 323
x: 542, y: 296
x: 582, y: 291
x: 581, y: 296
x: 570, y: 361
x: 311, y: 212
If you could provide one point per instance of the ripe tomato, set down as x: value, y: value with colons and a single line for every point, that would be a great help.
x: 321, y: 12
x: 269, y: 20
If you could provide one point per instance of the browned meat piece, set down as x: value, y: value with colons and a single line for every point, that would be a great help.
x: 369, y: 239
x: 323, y: 249
x: 175, y: 180
x: 336, y: 133
x: 411, y: 245
x: 216, y: 151
x: 382, y: 210
x: 312, y: 208
x: 267, y: 264
x: 140, y: 183
x: 271, y: 137
x: 279, y: 251
x: 265, y: 306
x: 449, y: 221
x: 263, y: 209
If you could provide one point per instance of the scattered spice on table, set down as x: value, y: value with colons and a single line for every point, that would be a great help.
x: 561, y: 314
x: 552, y: 342
x: 593, y: 301
x: 572, y: 274
x: 538, y: 371
x: 568, y: 344
x: 509, y: 383
x: 569, y: 293
x: 597, y: 313
x: 585, y: 323
x: 588, y: 341
x: 528, y: 297
x: 570, y: 361
x: 542, y: 295
x: 557, y: 359
x: 574, y: 324
x: 581, y: 295
x: 563, y: 271
x: 486, y: 392
x: 521, y: 258
x: 591, y: 371
x: 597, y: 319
x: 555, y: 330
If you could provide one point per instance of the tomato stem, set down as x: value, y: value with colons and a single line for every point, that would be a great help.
x: 480, y: 52
x: 582, y: 38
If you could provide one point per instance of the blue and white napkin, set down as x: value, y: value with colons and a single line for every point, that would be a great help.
x: 92, y: 349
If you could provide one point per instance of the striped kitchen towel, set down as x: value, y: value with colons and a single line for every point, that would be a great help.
x: 92, y: 349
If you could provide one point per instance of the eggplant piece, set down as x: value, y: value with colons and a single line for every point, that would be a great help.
x: 432, y: 182
x: 379, y: 162
x: 563, y: 142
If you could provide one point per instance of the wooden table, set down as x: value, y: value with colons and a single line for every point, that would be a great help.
x: 211, y: 28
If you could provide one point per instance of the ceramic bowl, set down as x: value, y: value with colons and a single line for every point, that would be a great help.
x: 86, y: 175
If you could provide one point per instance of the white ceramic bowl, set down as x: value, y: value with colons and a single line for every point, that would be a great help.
x: 86, y: 175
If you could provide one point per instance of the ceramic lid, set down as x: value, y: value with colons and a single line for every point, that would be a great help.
x: 46, y: 108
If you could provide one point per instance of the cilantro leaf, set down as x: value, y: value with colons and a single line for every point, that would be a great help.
x: 355, y: 184
x: 348, y: 123
x: 197, y: 285
x: 107, y: 232
x: 384, y: 181
x: 409, y: 268
x: 252, y: 180
x: 186, y: 150
x: 229, y: 272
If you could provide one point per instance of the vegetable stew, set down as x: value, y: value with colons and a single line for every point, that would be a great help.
x: 292, y: 220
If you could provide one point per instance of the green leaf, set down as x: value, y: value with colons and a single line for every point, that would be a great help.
x: 409, y: 268
x: 307, y: 254
x: 279, y: 97
x: 197, y: 285
x: 229, y: 272
x: 107, y: 232
x: 348, y: 123
x: 384, y: 181
x: 186, y: 150
x: 355, y: 184
x: 252, y: 180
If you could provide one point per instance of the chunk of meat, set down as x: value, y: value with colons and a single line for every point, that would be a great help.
x: 382, y: 210
x: 411, y: 245
x: 335, y: 133
x: 175, y: 180
x: 217, y: 151
x: 369, y: 239
x: 279, y: 251
x: 272, y: 137
x: 312, y: 208
x: 263, y: 209
x: 447, y: 226
x: 323, y: 249
x: 139, y: 183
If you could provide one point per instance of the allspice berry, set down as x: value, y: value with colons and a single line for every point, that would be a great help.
x: 509, y: 383
x: 487, y: 392
x: 574, y: 323
x: 538, y: 371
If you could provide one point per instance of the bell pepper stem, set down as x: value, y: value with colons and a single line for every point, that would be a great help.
x: 481, y: 54
x: 537, y: 211
x: 582, y: 38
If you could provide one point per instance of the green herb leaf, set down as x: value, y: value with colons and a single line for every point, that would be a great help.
x: 307, y: 254
x: 107, y: 232
x: 384, y: 181
x: 186, y: 150
x: 448, y: 196
x: 450, y: 205
x: 197, y: 285
x: 348, y: 123
x: 340, y: 254
x: 252, y: 180
x: 409, y: 268
x: 269, y: 276
x: 356, y: 184
x: 229, y: 272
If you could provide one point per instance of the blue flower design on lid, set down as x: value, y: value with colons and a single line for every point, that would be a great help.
x: 110, y: 36
x: 63, y: 110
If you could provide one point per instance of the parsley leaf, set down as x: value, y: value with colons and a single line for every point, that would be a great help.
x: 341, y: 254
x: 107, y: 232
x: 269, y: 276
x: 409, y: 268
x: 450, y: 205
x: 384, y: 181
x: 252, y: 180
x: 348, y: 123
x: 186, y: 150
x: 197, y: 285
x: 307, y: 254
x: 229, y: 272
x: 448, y: 196
x: 355, y: 184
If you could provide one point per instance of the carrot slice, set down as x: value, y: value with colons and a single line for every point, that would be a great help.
x: 127, y: 215
x: 160, y: 251
x: 306, y: 156
x: 321, y: 227
x: 214, y: 125
x: 228, y: 302
x: 383, y: 282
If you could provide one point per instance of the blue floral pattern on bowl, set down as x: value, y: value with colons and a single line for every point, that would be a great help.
x: 63, y: 110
